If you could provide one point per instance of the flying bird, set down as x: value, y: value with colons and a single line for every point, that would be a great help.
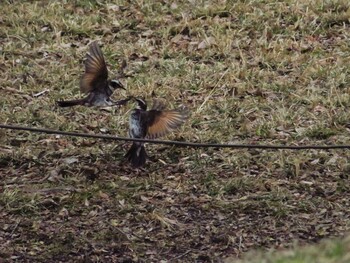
x: 150, y: 124
x: 95, y: 82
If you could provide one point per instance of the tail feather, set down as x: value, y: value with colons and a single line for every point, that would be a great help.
x: 69, y: 103
x: 137, y: 155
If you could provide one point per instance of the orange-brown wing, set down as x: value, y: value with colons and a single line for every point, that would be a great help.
x: 96, y: 73
x: 162, y: 122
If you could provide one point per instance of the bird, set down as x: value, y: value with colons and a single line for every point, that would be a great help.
x: 151, y: 124
x: 95, y: 82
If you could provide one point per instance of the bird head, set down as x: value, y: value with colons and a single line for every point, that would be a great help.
x: 115, y: 84
x: 141, y: 104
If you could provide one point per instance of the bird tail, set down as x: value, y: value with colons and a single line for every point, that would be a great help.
x: 70, y: 103
x: 137, y: 155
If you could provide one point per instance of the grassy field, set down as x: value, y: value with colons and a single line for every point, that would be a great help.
x: 334, y: 251
x: 263, y: 72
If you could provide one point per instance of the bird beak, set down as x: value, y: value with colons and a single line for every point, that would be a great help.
x: 121, y: 86
x: 116, y: 84
x: 141, y: 103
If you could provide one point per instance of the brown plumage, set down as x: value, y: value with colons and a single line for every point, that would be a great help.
x: 163, y: 122
x: 95, y: 82
x: 151, y: 124
x: 96, y: 73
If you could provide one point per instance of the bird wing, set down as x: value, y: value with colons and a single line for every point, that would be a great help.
x: 162, y: 122
x: 96, y: 73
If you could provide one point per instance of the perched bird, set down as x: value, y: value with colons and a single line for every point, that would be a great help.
x: 150, y: 124
x: 95, y: 82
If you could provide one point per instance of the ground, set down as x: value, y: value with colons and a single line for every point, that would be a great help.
x: 251, y: 72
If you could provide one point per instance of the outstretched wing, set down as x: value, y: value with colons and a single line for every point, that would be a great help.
x: 96, y: 73
x: 162, y: 122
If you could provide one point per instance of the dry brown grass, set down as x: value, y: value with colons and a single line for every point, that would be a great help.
x: 251, y: 72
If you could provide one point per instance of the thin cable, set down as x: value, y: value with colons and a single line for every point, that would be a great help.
x: 177, y: 143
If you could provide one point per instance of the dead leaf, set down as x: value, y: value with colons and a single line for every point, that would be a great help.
x: 206, y: 43
x: 70, y: 160
x: 144, y: 198
x: 177, y: 38
x: 114, y: 8
x: 202, y: 45
x: 63, y: 213
x: 103, y: 195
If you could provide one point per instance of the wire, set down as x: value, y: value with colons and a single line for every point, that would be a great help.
x: 177, y: 143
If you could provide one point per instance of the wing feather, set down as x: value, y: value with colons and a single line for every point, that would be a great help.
x: 163, y: 122
x: 96, y: 73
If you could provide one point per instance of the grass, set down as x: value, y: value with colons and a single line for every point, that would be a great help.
x: 330, y: 251
x: 249, y: 71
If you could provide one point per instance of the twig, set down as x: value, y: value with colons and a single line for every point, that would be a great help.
x: 183, y: 254
x: 40, y: 93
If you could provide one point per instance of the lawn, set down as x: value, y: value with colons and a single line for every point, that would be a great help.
x: 250, y: 72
